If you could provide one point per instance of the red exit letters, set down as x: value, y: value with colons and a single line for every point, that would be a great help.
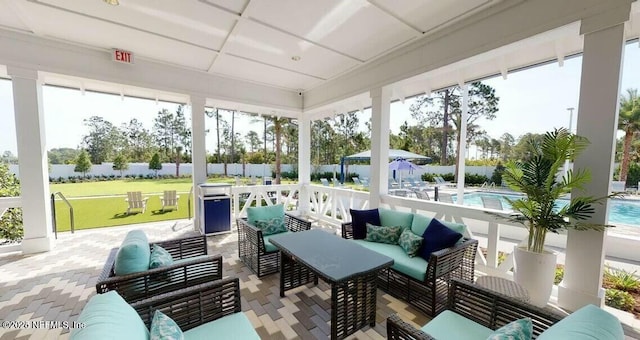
x: 122, y: 56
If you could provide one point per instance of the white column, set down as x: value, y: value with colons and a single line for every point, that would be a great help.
x: 32, y: 160
x: 597, y: 121
x: 462, y: 147
x: 304, y: 163
x: 380, y: 110
x: 199, y: 151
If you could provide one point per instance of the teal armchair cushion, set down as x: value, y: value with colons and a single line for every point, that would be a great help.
x: 587, y: 323
x: 108, y: 316
x: 133, y: 255
x: 264, y: 213
x: 394, y: 218
x: 449, y: 325
x: 271, y: 226
x: 234, y: 326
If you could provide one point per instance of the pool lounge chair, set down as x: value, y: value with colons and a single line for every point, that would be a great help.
x: 441, y: 182
x: 491, y: 203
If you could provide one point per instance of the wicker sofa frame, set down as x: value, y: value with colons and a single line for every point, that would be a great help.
x: 194, y: 306
x: 486, y: 307
x: 142, y: 285
x: 251, y: 248
x: 430, y: 295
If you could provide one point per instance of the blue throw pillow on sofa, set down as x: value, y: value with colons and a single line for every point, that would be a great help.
x: 436, y: 237
x: 359, y: 220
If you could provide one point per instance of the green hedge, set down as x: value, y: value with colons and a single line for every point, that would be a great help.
x: 469, y: 179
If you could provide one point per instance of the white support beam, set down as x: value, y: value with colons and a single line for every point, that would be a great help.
x: 304, y: 163
x: 482, y: 32
x: 462, y: 149
x: 63, y: 58
x: 597, y: 121
x: 32, y: 160
x: 199, y: 152
x: 380, y: 112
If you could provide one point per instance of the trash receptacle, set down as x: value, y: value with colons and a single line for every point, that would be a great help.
x: 215, y: 208
x: 267, y: 181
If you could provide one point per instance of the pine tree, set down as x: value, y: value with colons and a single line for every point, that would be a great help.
x: 83, y: 163
x: 155, y: 163
x: 120, y: 163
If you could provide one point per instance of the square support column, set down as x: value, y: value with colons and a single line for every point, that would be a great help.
x: 462, y: 151
x: 597, y: 121
x: 304, y: 163
x: 380, y: 111
x: 32, y: 160
x: 199, y: 155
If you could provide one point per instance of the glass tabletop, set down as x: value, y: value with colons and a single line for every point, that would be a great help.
x: 335, y: 258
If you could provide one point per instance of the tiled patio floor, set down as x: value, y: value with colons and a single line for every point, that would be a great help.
x: 55, y: 286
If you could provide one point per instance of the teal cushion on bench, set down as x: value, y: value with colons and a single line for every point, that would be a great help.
x: 133, y: 254
x: 234, y: 326
x: 420, y: 223
x: 109, y: 316
x: 450, y: 326
x: 394, y: 218
x: 416, y: 267
x: 587, y: 323
x: 264, y: 213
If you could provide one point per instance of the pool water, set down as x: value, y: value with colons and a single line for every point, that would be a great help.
x: 621, y: 211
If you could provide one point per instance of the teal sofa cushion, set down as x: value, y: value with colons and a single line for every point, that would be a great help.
x: 587, y: 323
x: 394, y: 218
x: 133, y: 254
x: 420, y: 223
x: 108, y: 316
x: 415, y: 267
x: 267, y: 245
x: 234, y: 326
x: 450, y: 326
x: 264, y: 213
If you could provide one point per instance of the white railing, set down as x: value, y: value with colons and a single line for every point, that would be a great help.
x: 9, y: 202
x: 258, y: 195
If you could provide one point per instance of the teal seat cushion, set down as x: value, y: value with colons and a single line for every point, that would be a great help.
x: 267, y: 245
x: 587, y: 323
x: 108, y: 316
x: 187, y: 259
x: 450, y: 326
x: 234, y: 326
x: 416, y: 267
x: 420, y: 223
x: 393, y: 218
x: 134, y: 254
x: 264, y: 213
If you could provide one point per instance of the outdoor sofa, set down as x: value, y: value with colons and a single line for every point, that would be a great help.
x: 422, y: 283
x: 475, y: 312
x: 254, y: 248
x: 127, y: 269
x: 206, y: 311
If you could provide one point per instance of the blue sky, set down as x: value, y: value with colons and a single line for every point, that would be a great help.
x: 534, y: 100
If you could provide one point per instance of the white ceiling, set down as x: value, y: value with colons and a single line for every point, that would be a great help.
x: 256, y: 40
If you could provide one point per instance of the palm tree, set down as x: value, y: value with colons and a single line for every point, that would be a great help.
x: 629, y: 122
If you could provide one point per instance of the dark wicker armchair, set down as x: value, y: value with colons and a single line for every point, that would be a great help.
x: 251, y: 245
x: 430, y: 295
x: 193, y: 266
x: 486, y: 307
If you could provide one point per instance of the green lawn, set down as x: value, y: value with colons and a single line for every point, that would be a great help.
x: 120, y: 187
x: 111, y: 211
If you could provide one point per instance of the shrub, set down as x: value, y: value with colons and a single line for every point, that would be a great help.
x: 496, y: 176
x: 559, y: 274
x: 619, y: 299
x: 621, y: 279
x: 11, y: 221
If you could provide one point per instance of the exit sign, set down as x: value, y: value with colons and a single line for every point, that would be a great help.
x: 122, y: 56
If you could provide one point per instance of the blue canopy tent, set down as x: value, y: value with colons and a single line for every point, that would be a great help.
x: 393, y: 154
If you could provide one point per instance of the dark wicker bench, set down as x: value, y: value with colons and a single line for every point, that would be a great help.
x: 486, y: 307
x: 251, y: 247
x: 137, y: 286
x: 430, y: 295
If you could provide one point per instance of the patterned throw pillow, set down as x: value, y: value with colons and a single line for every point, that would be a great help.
x: 271, y: 226
x: 521, y: 329
x: 410, y: 242
x: 159, y: 257
x: 164, y: 328
x: 378, y: 234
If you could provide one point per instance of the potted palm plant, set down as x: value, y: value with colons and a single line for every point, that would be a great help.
x: 540, y: 179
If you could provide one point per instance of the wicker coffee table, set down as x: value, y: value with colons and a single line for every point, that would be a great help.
x: 504, y: 286
x: 350, y: 269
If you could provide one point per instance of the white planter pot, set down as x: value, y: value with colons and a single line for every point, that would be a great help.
x: 535, y: 272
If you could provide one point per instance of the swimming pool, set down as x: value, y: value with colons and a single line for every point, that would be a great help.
x: 621, y: 211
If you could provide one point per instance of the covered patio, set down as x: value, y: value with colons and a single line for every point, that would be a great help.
x: 310, y: 61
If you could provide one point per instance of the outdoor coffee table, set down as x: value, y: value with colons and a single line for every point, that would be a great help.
x: 350, y: 269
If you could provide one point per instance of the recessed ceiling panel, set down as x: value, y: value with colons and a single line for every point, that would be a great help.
x: 257, y: 42
x: 353, y: 27
x: 430, y: 14
x: 189, y: 21
x: 260, y: 73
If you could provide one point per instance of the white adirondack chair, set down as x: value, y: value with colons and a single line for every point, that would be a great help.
x: 169, y: 199
x: 136, y: 201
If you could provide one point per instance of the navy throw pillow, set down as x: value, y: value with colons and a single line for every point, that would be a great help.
x: 436, y: 237
x: 359, y: 220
